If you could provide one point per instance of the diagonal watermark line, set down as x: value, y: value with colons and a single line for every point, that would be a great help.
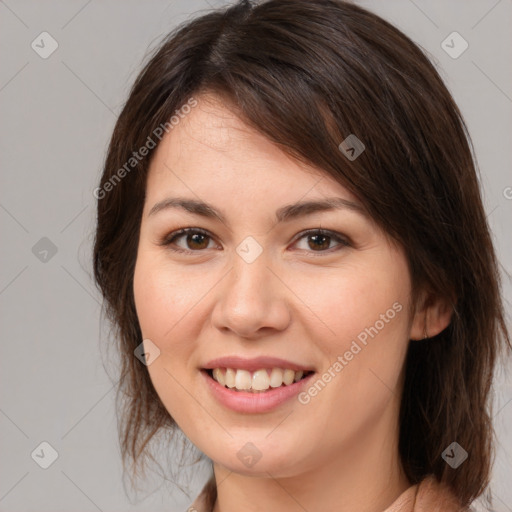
x: 66, y: 434
x: 81, y: 491
x: 15, y: 75
x: 333, y: 333
x: 197, y: 401
x: 502, y: 407
x: 14, y: 423
x: 381, y: 381
x: 224, y: 479
x: 14, y: 218
x: 280, y: 423
x: 75, y: 15
x: 505, y: 270
x: 494, y: 495
x: 491, y: 212
x: 14, y: 485
x: 424, y: 13
x: 13, y: 279
x: 85, y: 85
x: 485, y: 15
x: 80, y: 284
x: 200, y: 299
x: 492, y: 81
x: 74, y: 218
x: 291, y: 496
x: 14, y: 14
x: 218, y: 483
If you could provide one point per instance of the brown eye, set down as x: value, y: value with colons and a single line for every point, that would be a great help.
x: 319, y: 240
x: 195, y: 240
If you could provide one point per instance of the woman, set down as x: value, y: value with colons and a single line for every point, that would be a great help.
x: 292, y: 245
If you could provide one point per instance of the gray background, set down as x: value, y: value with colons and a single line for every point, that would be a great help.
x: 57, y: 115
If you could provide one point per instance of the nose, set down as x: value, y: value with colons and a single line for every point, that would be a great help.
x: 252, y: 300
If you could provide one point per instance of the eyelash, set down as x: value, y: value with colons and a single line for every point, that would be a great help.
x: 172, y: 237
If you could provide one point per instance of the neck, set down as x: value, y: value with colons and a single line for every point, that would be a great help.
x: 366, y: 476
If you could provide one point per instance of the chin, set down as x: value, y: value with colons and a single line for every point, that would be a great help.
x: 258, y: 459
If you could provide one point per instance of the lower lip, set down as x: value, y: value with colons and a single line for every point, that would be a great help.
x: 246, y: 402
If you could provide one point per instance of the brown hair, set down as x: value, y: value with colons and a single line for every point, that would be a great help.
x: 306, y: 74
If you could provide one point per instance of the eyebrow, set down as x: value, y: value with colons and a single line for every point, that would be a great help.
x: 283, y: 214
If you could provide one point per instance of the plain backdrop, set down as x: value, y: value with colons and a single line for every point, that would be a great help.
x: 57, y: 114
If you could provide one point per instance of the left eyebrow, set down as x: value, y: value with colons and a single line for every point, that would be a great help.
x: 284, y: 214
x: 301, y: 209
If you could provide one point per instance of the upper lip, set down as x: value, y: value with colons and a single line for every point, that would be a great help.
x: 257, y: 363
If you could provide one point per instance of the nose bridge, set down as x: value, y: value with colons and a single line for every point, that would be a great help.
x: 250, y: 268
x: 249, y: 284
x: 251, y: 297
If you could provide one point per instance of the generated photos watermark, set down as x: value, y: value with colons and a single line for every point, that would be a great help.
x: 355, y: 348
x: 101, y: 192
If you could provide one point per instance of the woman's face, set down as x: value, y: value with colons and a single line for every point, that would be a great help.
x: 335, y: 303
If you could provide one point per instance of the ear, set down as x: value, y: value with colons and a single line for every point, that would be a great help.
x: 433, y: 314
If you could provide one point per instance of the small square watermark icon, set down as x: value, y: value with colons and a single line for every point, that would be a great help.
x: 454, y: 45
x: 44, y: 455
x: 454, y: 455
x: 249, y: 249
x: 249, y: 454
x: 44, y: 45
x: 351, y: 147
x: 44, y: 249
x: 147, y: 352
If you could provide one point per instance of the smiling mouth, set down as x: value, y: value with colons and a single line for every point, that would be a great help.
x: 260, y: 381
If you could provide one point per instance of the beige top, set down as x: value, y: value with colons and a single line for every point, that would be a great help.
x: 427, y: 496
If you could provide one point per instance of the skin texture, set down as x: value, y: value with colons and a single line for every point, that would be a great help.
x: 300, y: 301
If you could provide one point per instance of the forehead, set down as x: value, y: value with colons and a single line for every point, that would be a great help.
x: 213, y: 154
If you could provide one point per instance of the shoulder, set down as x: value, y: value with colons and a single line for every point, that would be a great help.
x: 433, y: 496
x: 427, y: 496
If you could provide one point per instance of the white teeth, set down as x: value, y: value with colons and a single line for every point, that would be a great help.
x: 276, y: 377
x: 288, y: 376
x: 219, y: 376
x: 243, y: 379
x: 258, y: 381
x: 230, y: 377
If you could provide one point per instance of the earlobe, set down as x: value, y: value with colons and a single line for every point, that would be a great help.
x: 432, y: 318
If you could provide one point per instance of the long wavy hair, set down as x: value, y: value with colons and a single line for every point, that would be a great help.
x: 306, y: 74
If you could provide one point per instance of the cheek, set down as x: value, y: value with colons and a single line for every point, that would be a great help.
x: 355, y: 303
x: 162, y: 304
x: 160, y: 314
x: 364, y: 318
x: 162, y: 298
